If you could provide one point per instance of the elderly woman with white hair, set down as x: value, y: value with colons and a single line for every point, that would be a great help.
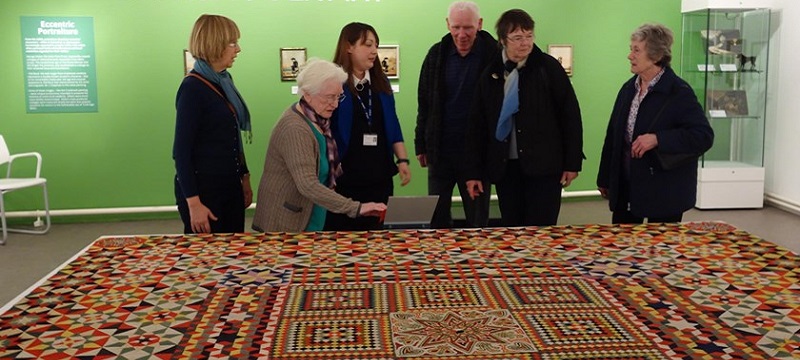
x: 302, y: 161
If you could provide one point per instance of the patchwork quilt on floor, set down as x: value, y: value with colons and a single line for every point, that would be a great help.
x: 688, y: 291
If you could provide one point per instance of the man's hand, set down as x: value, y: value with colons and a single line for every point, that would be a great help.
x: 423, y: 160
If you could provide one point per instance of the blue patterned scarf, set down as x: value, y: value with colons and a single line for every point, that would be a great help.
x: 510, y: 101
x: 223, y: 79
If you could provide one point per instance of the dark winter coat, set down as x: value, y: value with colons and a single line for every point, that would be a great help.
x: 431, y: 92
x: 681, y: 128
x: 548, y: 125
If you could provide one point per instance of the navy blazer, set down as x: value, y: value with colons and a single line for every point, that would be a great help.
x: 681, y: 128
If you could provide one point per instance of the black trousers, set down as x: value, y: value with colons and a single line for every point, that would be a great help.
x: 622, y: 214
x: 528, y: 200
x: 379, y: 192
x: 442, y: 178
x: 223, y: 195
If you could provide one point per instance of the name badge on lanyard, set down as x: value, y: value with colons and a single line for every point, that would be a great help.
x: 369, y: 139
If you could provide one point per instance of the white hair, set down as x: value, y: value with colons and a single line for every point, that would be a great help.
x: 464, y: 5
x: 316, y: 73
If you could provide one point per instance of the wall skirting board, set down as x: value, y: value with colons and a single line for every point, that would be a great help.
x: 173, y: 208
x: 782, y: 203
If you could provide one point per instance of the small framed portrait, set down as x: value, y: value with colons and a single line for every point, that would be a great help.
x: 562, y: 53
x: 188, y: 62
x: 389, y: 58
x: 292, y: 59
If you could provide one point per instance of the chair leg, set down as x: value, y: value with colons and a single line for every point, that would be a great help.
x: 3, y: 220
x: 6, y: 230
x: 46, y: 209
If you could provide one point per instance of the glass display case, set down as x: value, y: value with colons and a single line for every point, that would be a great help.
x: 724, y: 59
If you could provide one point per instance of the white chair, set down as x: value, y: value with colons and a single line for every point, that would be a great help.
x: 9, y: 184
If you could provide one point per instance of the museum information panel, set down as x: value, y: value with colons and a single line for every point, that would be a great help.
x: 59, y: 64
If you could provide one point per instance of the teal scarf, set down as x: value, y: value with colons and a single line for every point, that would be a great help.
x: 223, y: 79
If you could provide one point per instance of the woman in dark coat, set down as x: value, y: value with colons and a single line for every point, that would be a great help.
x: 655, y: 111
x: 530, y: 148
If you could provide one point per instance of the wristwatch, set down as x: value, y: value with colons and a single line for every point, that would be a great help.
x: 399, y: 161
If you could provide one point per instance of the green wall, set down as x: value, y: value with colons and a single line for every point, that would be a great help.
x: 121, y: 155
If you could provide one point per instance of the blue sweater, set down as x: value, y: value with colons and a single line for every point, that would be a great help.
x: 206, y: 136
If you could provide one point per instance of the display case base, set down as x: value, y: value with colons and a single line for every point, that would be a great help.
x: 730, y: 185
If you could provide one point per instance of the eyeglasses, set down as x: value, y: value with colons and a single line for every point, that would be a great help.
x: 234, y: 45
x: 521, y: 38
x: 330, y: 99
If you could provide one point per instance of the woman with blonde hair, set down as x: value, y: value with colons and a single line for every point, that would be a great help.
x: 212, y: 184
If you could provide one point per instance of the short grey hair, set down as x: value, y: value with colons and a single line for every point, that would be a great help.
x: 658, y: 39
x: 316, y: 73
x: 464, y: 5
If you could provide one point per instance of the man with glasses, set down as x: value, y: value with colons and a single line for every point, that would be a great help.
x: 446, y: 86
x: 524, y: 132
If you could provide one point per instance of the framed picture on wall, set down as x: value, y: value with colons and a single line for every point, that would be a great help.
x: 292, y: 59
x: 188, y: 62
x: 389, y: 58
x: 562, y: 53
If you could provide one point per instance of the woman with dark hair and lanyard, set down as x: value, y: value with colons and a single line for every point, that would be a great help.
x: 366, y: 129
x: 212, y: 185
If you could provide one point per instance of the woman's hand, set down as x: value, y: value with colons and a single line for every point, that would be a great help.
x: 405, y: 173
x: 643, y: 144
x: 247, y: 190
x: 372, y: 209
x: 199, y: 215
x: 400, y: 153
x: 474, y: 188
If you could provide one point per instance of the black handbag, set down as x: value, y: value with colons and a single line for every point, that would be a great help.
x: 669, y: 161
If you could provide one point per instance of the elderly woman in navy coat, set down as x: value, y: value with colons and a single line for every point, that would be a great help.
x: 630, y: 175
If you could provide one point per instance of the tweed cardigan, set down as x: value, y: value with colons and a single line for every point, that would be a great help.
x: 290, y: 186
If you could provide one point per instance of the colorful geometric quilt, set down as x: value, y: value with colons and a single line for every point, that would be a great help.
x: 654, y: 291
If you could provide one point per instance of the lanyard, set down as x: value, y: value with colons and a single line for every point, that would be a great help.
x: 368, y: 107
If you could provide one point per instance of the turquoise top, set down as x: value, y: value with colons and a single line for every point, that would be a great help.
x: 317, y: 221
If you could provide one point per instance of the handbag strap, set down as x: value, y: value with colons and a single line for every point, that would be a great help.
x: 204, y: 80
x: 658, y: 114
